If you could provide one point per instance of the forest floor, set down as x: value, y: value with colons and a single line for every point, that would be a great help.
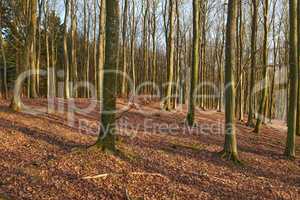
x: 44, y: 157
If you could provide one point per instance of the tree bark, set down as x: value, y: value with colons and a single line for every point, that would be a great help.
x: 66, y: 56
x: 170, y: 63
x: 230, y: 147
x: 253, y: 60
x: 263, y: 103
x: 298, y: 102
x: 292, y: 110
x: 101, y: 50
x: 106, y: 140
x: 124, y: 47
x: 32, y: 48
x: 195, y: 66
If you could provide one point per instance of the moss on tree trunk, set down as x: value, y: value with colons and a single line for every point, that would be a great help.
x: 107, y: 137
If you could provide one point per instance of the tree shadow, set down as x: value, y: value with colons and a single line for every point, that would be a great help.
x: 38, y: 134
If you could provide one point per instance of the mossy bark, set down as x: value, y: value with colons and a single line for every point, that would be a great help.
x: 290, y: 151
x: 230, y: 146
x: 298, y: 102
x: 107, y: 137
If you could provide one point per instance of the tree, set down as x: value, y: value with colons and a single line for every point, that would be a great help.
x: 230, y: 147
x: 253, y: 60
x: 101, y: 49
x: 106, y: 140
x: 124, y: 47
x: 292, y: 110
x: 73, y: 68
x: 32, y: 48
x: 4, y: 67
x: 132, y: 46
x: 170, y: 58
x: 47, y: 48
x: 261, y: 111
x: 66, y: 55
x: 195, y: 65
x: 298, y: 106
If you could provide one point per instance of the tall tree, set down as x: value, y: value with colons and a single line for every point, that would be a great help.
x: 106, y: 140
x: 195, y: 65
x: 298, y: 106
x: 132, y: 44
x: 32, y: 47
x: 124, y: 47
x: 46, y: 9
x: 101, y: 49
x: 170, y: 60
x: 66, y: 55
x: 292, y: 110
x: 253, y: 60
x: 230, y: 147
x: 261, y: 111
x: 73, y: 67
x: 4, y: 66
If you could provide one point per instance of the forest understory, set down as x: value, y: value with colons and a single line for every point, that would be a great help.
x: 42, y: 157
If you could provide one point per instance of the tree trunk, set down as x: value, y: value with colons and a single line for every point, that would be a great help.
x: 4, y: 68
x: 253, y: 61
x: 170, y: 64
x: 292, y: 110
x: 74, y: 73
x: 124, y: 48
x: 101, y: 50
x: 32, y: 48
x: 107, y: 137
x: 230, y: 146
x: 66, y: 56
x: 132, y: 46
x: 195, y: 65
x: 263, y: 103
x: 298, y: 102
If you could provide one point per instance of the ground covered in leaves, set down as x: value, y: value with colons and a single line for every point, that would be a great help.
x: 46, y: 156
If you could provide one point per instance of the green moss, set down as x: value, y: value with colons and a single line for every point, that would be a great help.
x: 193, y: 147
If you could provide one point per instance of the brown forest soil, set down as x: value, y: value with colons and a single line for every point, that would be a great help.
x: 43, y: 157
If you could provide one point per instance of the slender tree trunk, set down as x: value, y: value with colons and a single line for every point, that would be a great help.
x: 145, y: 45
x: 66, y: 56
x: 124, y: 49
x: 38, y: 56
x: 298, y: 102
x: 32, y: 48
x: 4, y: 68
x: 292, y: 111
x: 253, y: 61
x: 241, y: 81
x: 47, y: 50
x: 195, y: 65
x: 101, y: 50
x: 154, y: 28
x: 95, y: 61
x: 85, y: 45
x: 74, y: 73
x: 263, y: 103
x: 132, y: 48
x: 170, y: 65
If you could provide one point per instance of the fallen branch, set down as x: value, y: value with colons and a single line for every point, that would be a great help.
x: 133, y: 173
x: 127, y: 195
